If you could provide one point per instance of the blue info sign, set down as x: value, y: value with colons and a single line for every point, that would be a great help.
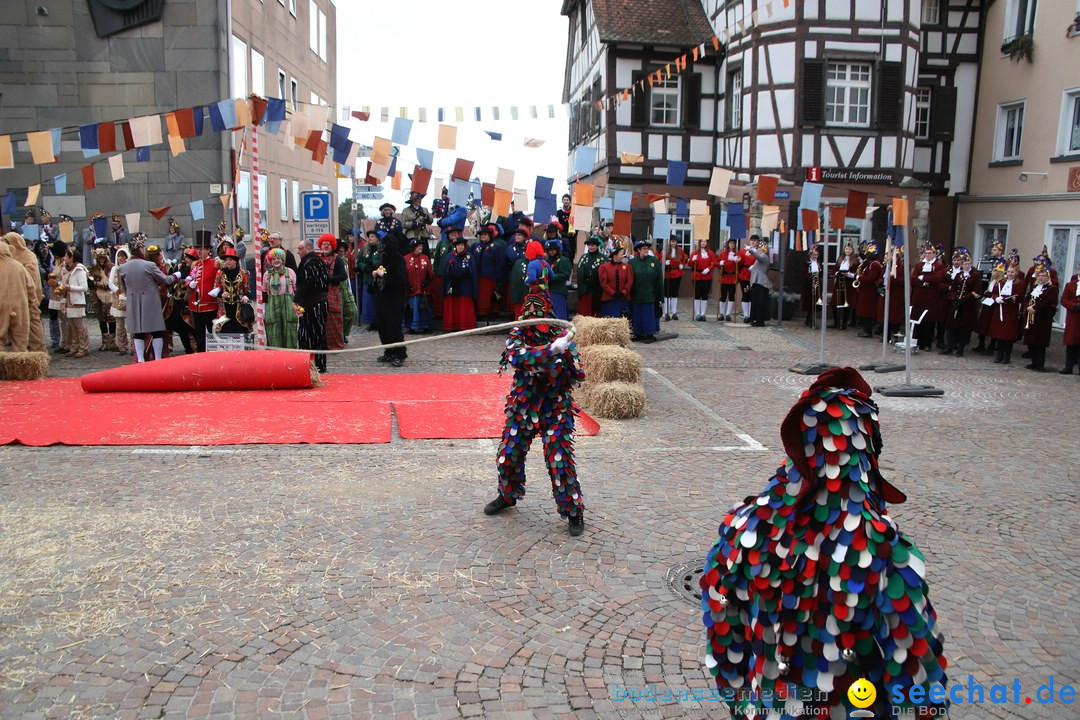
x: 317, y: 211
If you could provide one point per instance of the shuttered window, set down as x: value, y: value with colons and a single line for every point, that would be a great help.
x: 847, y: 94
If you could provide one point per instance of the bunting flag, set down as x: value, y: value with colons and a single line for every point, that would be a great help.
x: 41, y: 147
x: 676, y: 172
x: 60, y: 183
x: 116, y: 167
x: 583, y: 194
x: 159, y: 212
x: 89, y: 181
x: 720, y: 182
x: 7, y: 156
x: 133, y: 222
x: 631, y: 158
x: 32, y: 194
x: 899, y: 212
x: 462, y: 170
x: 837, y: 218
x: 67, y: 232
x: 766, y: 188
x: 197, y: 210
x: 856, y: 204
x: 809, y: 219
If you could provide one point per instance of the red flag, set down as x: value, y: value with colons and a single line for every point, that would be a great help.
x: 462, y: 170
x: 368, y: 179
x: 313, y: 139
x: 837, y: 218
x: 487, y: 194
x: 106, y: 133
x: 856, y: 205
x: 810, y: 220
x: 421, y: 179
x: 319, y: 153
x: 622, y: 222
x: 766, y: 188
x: 129, y: 141
x: 362, y: 116
x: 159, y: 213
x: 716, y: 40
x: 89, y: 182
x: 258, y: 109
x: 185, y: 119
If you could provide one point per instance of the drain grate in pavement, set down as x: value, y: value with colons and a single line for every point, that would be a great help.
x: 685, y: 580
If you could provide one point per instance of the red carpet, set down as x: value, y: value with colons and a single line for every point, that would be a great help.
x: 348, y: 409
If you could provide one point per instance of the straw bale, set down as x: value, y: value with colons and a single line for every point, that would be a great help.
x: 612, y: 400
x: 23, y: 365
x: 601, y: 331
x: 610, y: 363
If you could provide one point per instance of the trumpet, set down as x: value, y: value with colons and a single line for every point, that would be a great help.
x: 1030, y: 313
x: 815, y: 280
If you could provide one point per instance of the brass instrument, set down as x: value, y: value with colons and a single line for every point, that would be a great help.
x: 841, y: 288
x: 815, y: 285
x: 858, y: 274
x: 1030, y: 312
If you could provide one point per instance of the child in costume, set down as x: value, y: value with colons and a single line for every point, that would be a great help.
x: 811, y: 586
x: 546, y: 368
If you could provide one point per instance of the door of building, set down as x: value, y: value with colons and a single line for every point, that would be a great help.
x: 1065, y: 255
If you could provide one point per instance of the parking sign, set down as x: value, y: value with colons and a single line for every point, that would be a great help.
x: 317, y: 213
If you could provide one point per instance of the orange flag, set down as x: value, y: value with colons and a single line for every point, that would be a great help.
x: 159, y: 213
x: 766, y: 188
x: 583, y: 194
x: 837, y: 218
x: 89, y: 182
x: 810, y: 220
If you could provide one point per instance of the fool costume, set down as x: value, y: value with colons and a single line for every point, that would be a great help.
x: 811, y: 586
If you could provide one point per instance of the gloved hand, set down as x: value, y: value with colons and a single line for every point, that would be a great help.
x: 215, y: 292
x: 920, y: 278
x: 193, y: 284
x: 561, y: 343
x: 176, y: 274
x: 706, y: 271
x: 1000, y: 300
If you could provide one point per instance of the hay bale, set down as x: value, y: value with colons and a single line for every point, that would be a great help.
x: 23, y: 365
x: 612, y: 400
x: 610, y: 363
x: 601, y: 331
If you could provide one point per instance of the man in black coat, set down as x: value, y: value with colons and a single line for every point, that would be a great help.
x: 390, y: 284
x: 312, y: 284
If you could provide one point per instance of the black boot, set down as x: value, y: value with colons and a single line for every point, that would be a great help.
x: 999, y: 356
x: 497, y: 505
x: 960, y: 351
x: 981, y: 347
x: 577, y: 524
x: 1008, y: 356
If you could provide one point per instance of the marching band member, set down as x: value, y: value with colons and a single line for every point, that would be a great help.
x: 895, y: 277
x: 231, y: 290
x: 421, y: 277
x: 728, y: 262
x: 617, y: 281
x: 702, y: 262
x: 646, y: 294
x: 843, y: 299
x: 202, y: 279
x: 760, y: 285
x: 1004, y: 326
x: 927, y: 280
x: 459, y: 288
x: 140, y: 280
x: 965, y: 289
x: 812, y: 286
x: 865, y: 284
x: 1040, y: 305
x: 560, y: 276
x: 1070, y: 300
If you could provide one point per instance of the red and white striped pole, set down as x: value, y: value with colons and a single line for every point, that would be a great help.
x: 260, y: 323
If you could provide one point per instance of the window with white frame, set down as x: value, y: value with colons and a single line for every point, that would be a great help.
x: 243, y: 200
x: 292, y: 7
x: 294, y: 95
x: 313, y: 26
x: 258, y: 73
x: 682, y: 233
x: 322, y: 36
x: 847, y: 94
x: 264, y: 198
x: 315, y: 99
x: 238, y: 73
x: 931, y: 12
x: 283, y: 198
x: 922, y: 113
x: 282, y: 82
x: 986, y: 234
x: 1070, y: 123
x: 296, y: 200
x: 1010, y: 131
x: 664, y: 102
x: 735, y: 99
x: 1019, y: 18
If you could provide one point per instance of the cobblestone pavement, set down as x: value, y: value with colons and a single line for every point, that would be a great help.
x: 364, y: 581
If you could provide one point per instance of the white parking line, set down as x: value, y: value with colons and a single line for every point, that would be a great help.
x: 751, y: 443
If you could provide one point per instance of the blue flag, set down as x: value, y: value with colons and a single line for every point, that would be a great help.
x: 676, y: 172
x: 60, y: 181
x: 401, y: 132
x: 217, y: 123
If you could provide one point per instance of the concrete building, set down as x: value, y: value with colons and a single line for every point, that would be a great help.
x: 1025, y: 164
x: 56, y: 72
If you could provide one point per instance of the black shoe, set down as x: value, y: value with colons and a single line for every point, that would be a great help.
x: 946, y: 351
x: 746, y: 320
x: 757, y: 324
x: 1065, y: 370
x: 383, y: 358
x: 577, y: 524
x: 648, y: 339
x: 1027, y: 354
x: 497, y: 505
x: 999, y: 358
x: 959, y: 352
x: 675, y: 316
x: 865, y: 333
x: 397, y: 362
x: 1036, y: 368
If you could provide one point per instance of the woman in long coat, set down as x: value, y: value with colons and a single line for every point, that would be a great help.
x: 140, y: 280
x: 1070, y: 300
x: 390, y: 285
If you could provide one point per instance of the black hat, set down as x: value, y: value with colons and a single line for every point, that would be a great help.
x: 642, y: 243
x: 58, y: 248
x: 460, y: 239
x: 202, y: 238
x: 387, y: 205
x: 553, y: 244
x: 414, y: 242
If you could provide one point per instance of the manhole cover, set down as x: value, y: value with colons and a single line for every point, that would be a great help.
x: 685, y: 580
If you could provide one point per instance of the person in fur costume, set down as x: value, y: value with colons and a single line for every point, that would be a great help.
x: 102, y: 297
x: 118, y: 310
x: 541, y: 402
x: 16, y: 289
x: 26, y: 257
x: 811, y: 586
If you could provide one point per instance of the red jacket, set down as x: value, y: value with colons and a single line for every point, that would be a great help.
x: 702, y: 263
x: 616, y: 278
x: 1004, y: 317
x: 926, y: 292
x: 728, y: 262
x: 746, y: 260
x: 867, y: 304
x: 1071, y: 302
x: 673, y: 266
x: 421, y: 274
x: 204, y: 275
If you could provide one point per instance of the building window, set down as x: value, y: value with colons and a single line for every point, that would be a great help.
x: 1070, y: 123
x: 985, y: 236
x: 322, y: 36
x: 1010, y: 131
x: 264, y: 199
x: 292, y: 7
x: 922, y: 113
x: 282, y: 81
x: 243, y: 200
x: 734, y: 99
x: 296, y: 200
x: 315, y: 99
x: 283, y: 198
x: 258, y: 73
x: 313, y: 26
x: 1019, y: 18
x: 584, y: 26
x: 931, y: 12
x: 294, y: 95
x: 664, y: 102
x: 238, y: 73
x: 847, y: 96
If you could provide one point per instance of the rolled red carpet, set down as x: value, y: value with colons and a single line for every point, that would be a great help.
x: 228, y: 370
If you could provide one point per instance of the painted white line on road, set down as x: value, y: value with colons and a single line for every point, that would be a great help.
x: 751, y: 443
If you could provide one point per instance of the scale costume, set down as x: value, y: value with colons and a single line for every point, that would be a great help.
x: 811, y: 586
x: 540, y: 402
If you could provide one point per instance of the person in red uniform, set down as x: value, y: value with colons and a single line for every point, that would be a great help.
x: 1005, y: 312
x: 421, y: 276
x: 746, y: 261
x: 965, y: 290
x: 927, y: 281
x: 868, y: 276
x: 728, y: 263
x: 201, y: 280
x: 1070, y: 300
x: 812, y: 291
x: 843, y: 297
x: 674, y: 262
x: 895, y: 277
x: 616, y: 280
x: 702, y: 262
x: 1040, y: 305
x: 1043, y: 259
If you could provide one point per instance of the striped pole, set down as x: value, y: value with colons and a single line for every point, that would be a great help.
x: 260, y: 323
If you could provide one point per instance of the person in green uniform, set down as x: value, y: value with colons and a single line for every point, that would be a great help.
x: 646, y: 292
x: 588, y: 278
x: 560, y: 276
x: 366, y: 261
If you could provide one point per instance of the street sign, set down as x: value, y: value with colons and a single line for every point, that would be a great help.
x: 317, y: 213
x: 813, y: 174
x: 783, y: 195
x: 367, y: 189
x: 369, y: 196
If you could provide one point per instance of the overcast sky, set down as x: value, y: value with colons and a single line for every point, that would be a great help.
x: 428, y: 53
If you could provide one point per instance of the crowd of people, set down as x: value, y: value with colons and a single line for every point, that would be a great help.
x: 416, y: 272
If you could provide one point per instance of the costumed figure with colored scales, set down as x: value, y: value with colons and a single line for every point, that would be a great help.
x: 540, y: 402
x: 811, y: 586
